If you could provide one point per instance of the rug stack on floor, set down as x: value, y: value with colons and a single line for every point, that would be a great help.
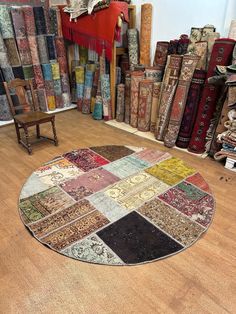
x: 116, y: 205
x: 32, y: 47
x: 91, y: 81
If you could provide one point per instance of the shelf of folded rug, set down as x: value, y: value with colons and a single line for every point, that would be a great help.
x: 72, y: 106
x: 147, y: 135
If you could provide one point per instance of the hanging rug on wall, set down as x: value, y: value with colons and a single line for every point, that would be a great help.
x: 116, y: 205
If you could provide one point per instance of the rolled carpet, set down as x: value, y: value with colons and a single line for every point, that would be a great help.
x: 190, y: 112
x: 187, y: 69
x: 79, y: 77
x: 155, y: 103
x: 120, y: 103
x: 133, y: 46
x: 221, y: 55
x: 145, y: 33
x: 136, y: 78
x: 168, y: 88
x: 18, y: 21
x: 88, y: 83
x: 106, y: 96
x: 127, y: 96
x: 24, y: 50
x: 145, y: 105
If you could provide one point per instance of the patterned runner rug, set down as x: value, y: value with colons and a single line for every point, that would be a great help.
x: 116, y: 205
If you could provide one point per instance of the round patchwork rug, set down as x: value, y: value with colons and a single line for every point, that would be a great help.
x: 116, y: 205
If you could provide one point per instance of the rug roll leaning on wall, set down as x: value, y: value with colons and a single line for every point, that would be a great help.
x: 188, y: 66
x: 155, y: 105
x: 190, y: 111
x: 168, y: 88
x: 221, y: 55
x: 136, y: 78
x: 145, y: 105
x: 127, y: 96
x: 145, y: 34
x: 133, y: 47
x: 160, y: 57
x: 79, y: 78
x: 120, y: 103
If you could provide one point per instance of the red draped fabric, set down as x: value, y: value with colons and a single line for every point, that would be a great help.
x: 96, y: 31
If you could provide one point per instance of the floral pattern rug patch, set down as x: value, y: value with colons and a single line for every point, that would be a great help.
x: 116, y: 205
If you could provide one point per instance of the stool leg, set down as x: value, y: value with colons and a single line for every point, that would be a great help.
x: 37, y: 130
x: 54, y: 132
x: 27, y: 140
x: 17, y: 132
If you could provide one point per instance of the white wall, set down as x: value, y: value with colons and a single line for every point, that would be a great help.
x: 171, y: 18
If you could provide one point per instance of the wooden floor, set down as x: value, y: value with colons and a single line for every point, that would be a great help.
x: 34, y: 279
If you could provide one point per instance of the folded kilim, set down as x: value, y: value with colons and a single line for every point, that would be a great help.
x: 221, y: 55
x: 18, y: 21
x: 34, y: 49
x: 5, y: 22
x: 188, y: 66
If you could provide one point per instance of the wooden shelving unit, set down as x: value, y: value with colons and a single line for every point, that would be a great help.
x: 117, y: 52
